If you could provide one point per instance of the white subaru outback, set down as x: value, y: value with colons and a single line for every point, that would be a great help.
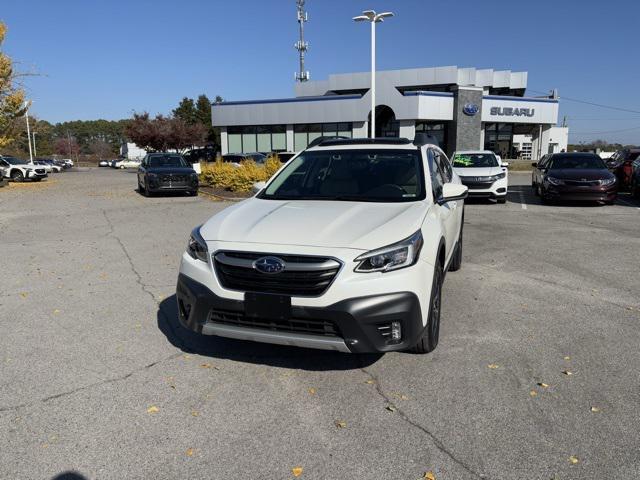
x: 345, y: 249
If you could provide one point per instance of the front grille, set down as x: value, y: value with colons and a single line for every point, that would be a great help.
x: 476, y: 182
x: 171, y: 180
x: 293, y: 325
x: 40, y: 171
x: 302, y: 275
x: 582, y: 183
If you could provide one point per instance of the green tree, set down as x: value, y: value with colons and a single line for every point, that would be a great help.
x: 12, y: 97
x: 186, y: 111
x: 203, y: 109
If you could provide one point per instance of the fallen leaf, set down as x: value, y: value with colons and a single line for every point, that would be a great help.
x: 573, y: 459
x: 533, y: 393
x: 341, y: 424
x: 543, y: 385
x: 595, y: 409
x: 153, y: 409
x: 186, y: 356
x: 391, y: 408
x: 297, y: 471
x: 24, y: 294
x: 56, y: 311
x: 370, y: 382
x: 194, y: 413
x: 567, y: 372
x: 567, y: 357
x: 429, y: 476
x: 189, y: 452
x: 312, y: 391
x: 404, y: 397
x: 493, y: 366
x: 629, y: 308
x: 205, y: 365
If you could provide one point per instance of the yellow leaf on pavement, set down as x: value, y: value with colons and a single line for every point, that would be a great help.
x: 429, y: 476
x: 567, y: 357
x: 312, y: 391
x: 543, y: 385
x: 370, y: 382
x: 391, y: 408
x: 341, y: 424
x: 573, y: 459
x: 595, y: 409
x: 153, y: 409
x: 493, y: 366
x: 533, y: 393
x: 24, y: 294
x: 194, y: 413
x: 297, y: 471
x: 189, y: 452
x: 567, y: 372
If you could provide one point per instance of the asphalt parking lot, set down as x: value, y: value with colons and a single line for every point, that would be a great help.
x: 99, y: 379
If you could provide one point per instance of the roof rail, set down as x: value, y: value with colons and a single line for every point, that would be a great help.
x: 365, y: 141
x: 423, y: 138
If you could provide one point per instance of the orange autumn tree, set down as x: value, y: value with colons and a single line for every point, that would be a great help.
x: 12, y: 104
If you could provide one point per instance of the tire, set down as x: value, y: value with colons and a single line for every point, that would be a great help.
x: 429, y: 339
x: 121, y: 167
x: 502, y: 200
x: 37, y: 179
x: 145, y: 189
x: 456, y: 261
x: 17, y: 176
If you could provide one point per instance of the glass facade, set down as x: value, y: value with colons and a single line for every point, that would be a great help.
x: 303, y: 134
x: 268, y: 138
x: 438, y: 130
x: 498, y: 137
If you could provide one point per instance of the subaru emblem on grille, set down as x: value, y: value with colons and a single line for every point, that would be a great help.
x: 269, y: 265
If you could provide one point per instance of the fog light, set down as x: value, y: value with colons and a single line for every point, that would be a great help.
x: 396, y: 331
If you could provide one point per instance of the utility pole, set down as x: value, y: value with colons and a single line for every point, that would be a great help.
x: 26, y: 115
x: 35, y: 150
x: 301, y: 45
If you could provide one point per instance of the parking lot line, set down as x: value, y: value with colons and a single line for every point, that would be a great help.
x: 522, y: 202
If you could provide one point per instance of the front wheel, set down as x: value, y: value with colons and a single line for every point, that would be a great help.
x: 429, y: 339
x: 17, y: 176
x: 456, y: 261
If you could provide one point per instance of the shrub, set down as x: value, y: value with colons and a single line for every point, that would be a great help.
x: 238, y: 178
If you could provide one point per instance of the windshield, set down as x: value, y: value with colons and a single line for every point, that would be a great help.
x: 474, y: 160
x: 15, y: 161
x: 354, y: 175
x: 167, y: 161
x: 577, y: 161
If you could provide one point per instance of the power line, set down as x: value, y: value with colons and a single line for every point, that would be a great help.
x: 611, y: 107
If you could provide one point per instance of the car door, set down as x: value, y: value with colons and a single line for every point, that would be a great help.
x: 447, y: 212
x: 141, y: 171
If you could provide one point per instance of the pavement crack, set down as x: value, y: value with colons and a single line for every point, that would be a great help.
x: 143, y: 286
x: 435, y: 440
x: 107, y: 381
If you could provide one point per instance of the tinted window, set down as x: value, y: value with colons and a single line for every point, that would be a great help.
x: 576, y: 161
x: 166, y: 161
x: 445, y: 165
x: 437, y: 180
x: 356, y: 175
x: 474, y: 160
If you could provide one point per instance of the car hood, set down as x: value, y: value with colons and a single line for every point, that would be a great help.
x: 478, y: 172
x: 579, y: 174
x: 358, y: 225
x: 173, y: 171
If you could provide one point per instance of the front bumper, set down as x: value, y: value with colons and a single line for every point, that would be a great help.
x: 34, y: 174
x: 494, y: 190
x: 586, y: 194
x: 357, y: 323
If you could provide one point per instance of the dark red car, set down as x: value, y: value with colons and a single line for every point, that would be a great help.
x: 574, y: 176
x: 621, y: 163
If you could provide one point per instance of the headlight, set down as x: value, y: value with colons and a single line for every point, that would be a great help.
x: 399, y: 255
x: 608, y: 181
x: 498, y: 176
x: 197, y: 247
x: 555, y: 181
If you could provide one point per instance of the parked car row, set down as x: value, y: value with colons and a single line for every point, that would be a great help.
x: 18, y: 170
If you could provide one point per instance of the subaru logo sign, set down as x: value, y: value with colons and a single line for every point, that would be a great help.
x: 470, y: 109
x: 269, y: 265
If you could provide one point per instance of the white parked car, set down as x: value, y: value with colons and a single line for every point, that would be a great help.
x: 128, y: 163
x: 483, y: 172
x: 19, y: 170
x: 345, y: 248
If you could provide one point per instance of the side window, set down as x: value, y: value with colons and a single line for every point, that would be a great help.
x: 437, y: 180
x: 445, y: 165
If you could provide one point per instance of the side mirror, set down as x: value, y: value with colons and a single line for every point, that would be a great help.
x: 534, y: 164
x: 505, y: 164
x: 258, y: 186
x: 453, y: 191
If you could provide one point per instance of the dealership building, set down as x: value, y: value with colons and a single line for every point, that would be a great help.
x: 464, y: 108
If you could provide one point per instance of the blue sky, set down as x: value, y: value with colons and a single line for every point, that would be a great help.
x: 105, y: 59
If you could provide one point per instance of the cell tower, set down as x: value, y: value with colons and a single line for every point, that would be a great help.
x: 301, y: 45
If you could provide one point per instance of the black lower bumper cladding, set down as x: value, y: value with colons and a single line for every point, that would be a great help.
x: 357, y: 321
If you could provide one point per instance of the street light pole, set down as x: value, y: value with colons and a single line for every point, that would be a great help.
x: 35, y: 150
x: 26, y: 114
x: 373, y: 17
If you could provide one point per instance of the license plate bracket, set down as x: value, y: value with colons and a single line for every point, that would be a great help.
x: 267, y: 306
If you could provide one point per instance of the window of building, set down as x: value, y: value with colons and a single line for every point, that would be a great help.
x: 249, y: 139
x: 498, y: 138
x: 303, y: 134
x: 438, y: 130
